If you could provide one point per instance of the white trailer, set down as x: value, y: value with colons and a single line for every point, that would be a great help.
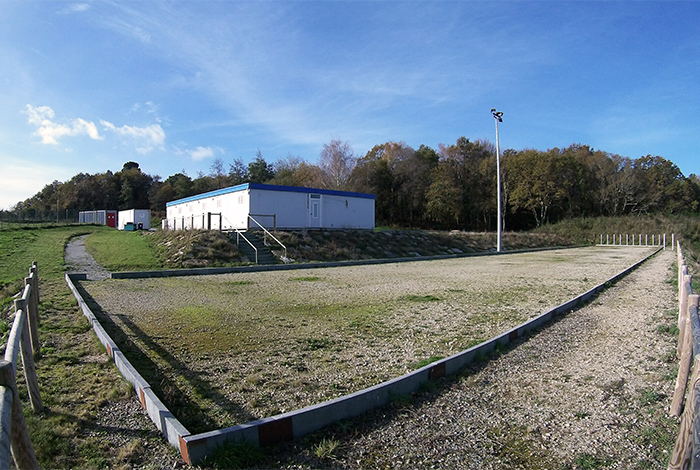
x: 245, y: 206
x: 135, y: 219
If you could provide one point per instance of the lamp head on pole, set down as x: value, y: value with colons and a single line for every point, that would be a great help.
x: 498, y: 115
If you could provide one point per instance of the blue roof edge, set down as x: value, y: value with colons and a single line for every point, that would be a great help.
x: 269, y: 187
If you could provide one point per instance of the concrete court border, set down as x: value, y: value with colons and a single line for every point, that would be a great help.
x: 287, y: 426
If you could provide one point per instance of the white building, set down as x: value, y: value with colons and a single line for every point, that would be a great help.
x: 274, y: 207
x: 134, y: 219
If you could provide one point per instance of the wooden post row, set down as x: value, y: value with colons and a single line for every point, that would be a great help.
x: 682, y: 455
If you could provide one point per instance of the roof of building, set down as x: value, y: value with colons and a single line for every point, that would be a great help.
x: 269, y: 187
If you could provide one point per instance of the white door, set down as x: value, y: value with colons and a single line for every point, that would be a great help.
x: 314, y: 211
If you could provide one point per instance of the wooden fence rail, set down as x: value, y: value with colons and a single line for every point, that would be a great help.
x: 23, y: 342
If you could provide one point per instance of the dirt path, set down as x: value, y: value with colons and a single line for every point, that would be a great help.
x: 590, y: 391
x: 79, y: 260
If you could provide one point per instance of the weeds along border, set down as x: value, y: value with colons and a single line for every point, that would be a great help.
x: 194, y: 448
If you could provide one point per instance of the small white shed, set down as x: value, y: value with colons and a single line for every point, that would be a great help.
x: 140, y: 218
x: 274, y: 207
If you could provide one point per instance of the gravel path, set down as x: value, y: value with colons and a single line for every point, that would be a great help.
x: 78, y: 260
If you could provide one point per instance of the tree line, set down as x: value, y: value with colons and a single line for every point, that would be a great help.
x: 453, y: 187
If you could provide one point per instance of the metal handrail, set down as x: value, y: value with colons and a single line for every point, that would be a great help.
x: 267, y: 232
x: 240, y: 233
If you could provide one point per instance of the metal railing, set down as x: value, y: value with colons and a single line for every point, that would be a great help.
x: 267, y: 232
x: 23, y: 341
x: 240, y: 233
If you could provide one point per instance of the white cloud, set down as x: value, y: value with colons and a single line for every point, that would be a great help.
x: 146, y: 138
x: 50, y: 131
x: 201, y: 153
x: 74, y: 8
x: 78, y: 7
x: 149, y: 108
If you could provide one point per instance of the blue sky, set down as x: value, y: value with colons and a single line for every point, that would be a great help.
x: 87, y: 86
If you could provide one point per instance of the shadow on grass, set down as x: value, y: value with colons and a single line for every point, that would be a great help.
x: 178, y: 399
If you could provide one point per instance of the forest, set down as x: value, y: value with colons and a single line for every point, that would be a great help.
x: 453, y: 187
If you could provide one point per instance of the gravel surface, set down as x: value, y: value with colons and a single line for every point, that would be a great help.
x: 239, y: 347
x: 592, y: 389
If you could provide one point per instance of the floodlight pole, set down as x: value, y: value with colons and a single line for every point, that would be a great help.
x: 498, y: 117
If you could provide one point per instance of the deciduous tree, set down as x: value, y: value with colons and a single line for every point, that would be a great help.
x: 337, y: 160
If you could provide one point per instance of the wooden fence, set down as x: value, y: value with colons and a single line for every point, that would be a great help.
x: 23, y: 341
x: 686, y: 453
x: 636, y: 239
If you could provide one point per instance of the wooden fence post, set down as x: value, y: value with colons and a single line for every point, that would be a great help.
x: 22, y: 451
x: 683, y: 450
x: 685, y: 351
x: 33, y: 314
x: 30, y: 376
x: 684, y: 289
x: 5, y: 426
x: 682, y: 454
x: 35, y: 270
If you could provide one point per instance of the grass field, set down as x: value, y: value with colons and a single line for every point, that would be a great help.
x: 118, y: 250
x: 19, y: 248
